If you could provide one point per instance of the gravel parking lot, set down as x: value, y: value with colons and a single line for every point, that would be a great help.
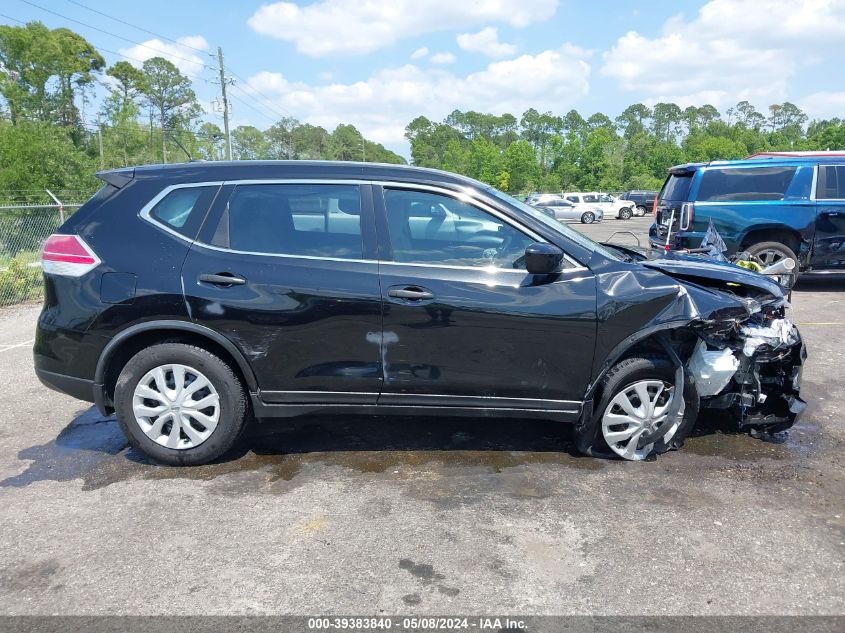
x: 400, y: 516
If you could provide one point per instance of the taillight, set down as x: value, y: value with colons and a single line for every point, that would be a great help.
x: 68, y: 255
x: 654, y: 206
x: 687, y: 215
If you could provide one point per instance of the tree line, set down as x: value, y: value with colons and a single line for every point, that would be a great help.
x: 549, y: 152
x: 151, y: 114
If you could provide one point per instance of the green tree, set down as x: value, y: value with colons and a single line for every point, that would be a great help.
x: 520, y: 161
x: 129, y: 80
x: 169, y: 94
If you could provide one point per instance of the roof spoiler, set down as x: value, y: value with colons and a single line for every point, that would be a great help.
x: 117, y: 178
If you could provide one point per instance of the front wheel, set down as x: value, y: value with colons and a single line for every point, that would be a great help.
x: 632, y: 415
x: 180, y: 404
x: 768, y: 253
x: 588, y: 218
x: 625, y: 214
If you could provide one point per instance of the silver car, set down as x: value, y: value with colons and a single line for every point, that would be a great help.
x: 561, y: 209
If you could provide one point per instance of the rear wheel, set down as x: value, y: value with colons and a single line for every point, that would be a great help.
x: 180, y: 404
x: 768, y: 253
x: 641, y: 210
x: 625, y: 214
x: 588, y: 218
x: 632, y: 418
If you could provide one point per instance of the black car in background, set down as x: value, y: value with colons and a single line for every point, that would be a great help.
x: 189, y: 298
x: 643, y: 199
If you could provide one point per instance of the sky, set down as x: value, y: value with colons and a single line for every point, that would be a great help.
x: 377, y: 64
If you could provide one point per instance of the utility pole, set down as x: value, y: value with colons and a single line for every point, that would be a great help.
x: 100, y: 142
x: 225, y: 104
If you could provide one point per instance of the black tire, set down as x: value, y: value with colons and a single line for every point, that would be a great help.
x: 588, y: 218
x: 770, y: 252
x: 626, y: 213
x: 232, y: 402
x: 641, y: 210
x: 623, y: 375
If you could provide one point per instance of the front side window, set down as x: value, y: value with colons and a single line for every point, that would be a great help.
x: 296, y: 219
x: 831, y: 183
x: 732, y: 184
x: 430, y: 228
x: 181, y: 209
x: 573, y: 199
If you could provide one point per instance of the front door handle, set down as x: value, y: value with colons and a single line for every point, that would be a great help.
x: 222, y: 279
x: 411, y: 293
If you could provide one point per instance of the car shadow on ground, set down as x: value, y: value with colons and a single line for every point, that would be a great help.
x: 93, y: 448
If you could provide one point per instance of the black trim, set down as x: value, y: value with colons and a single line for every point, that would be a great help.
x: 79, y: 388
x: 485, y: 402
x: 186, y: 326
x: 321, y: 398
x: 263, y: 410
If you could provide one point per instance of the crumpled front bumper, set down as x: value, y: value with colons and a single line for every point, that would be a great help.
x: 764, y: 392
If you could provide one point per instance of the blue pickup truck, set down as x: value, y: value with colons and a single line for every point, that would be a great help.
x: 773, y: 205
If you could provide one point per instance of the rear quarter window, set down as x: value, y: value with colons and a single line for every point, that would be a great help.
x: 732, y: 184
x: 182, y: 210
x: 677, y: 187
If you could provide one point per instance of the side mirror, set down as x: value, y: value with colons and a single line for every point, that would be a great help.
x: 543, y: 259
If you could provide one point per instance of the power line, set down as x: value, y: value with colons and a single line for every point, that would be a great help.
x: 270, y: 105
x: 250, y: 106
x: 99, y: 48
x: 140, y: 28
x: 126, y: 39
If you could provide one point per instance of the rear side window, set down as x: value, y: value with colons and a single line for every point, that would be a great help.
x: 307, y: 220
x: 766, y: 183
x: 183, y: 209
x: 831, y: 185
x: 676, y: 187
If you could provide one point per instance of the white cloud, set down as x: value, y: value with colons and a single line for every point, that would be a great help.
x: 327, y: 27
x: 486, y: 42
x: 420, y: 53
x: 386, y: 102
x: 442, y: 58
x: 182, y: 55
x: 730, y: 51
x: 824, y: 105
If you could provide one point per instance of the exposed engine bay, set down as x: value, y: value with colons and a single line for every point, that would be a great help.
x: 751, y: 368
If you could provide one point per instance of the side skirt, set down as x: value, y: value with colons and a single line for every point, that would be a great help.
x: 277, y: 410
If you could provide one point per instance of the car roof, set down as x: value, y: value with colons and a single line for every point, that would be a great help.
x: 770, y: 158
x: 198, y: 171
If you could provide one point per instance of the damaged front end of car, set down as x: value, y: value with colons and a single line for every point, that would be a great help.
x: 750, y: 368
x: 725, y: 331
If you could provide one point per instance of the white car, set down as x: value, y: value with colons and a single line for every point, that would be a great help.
x: 622, y: 209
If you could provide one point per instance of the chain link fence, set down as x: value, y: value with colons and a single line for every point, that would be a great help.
x: 23, y: 230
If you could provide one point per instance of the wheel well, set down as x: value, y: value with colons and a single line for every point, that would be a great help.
x: 127, y: 348
x: 682, y: 340
x: 783, y: 235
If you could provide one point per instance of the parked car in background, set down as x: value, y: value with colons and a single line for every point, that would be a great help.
x: 562, y: 210
x: 608, y: 204
x: 773, y: 205
x: 189, y: 298
x: 643, y: 200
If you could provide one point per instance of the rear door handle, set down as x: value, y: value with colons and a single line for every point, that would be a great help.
x: 411, y: 293
x: 222, y: 279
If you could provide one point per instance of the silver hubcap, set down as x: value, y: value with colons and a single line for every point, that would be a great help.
x: 639, y: 408
x: 176, y: 406
x: 588, y: 218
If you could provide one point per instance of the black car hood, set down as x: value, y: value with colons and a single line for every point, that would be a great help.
x: 713, y: 273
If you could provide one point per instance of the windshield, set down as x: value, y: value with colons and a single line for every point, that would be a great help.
x: 575, y: 236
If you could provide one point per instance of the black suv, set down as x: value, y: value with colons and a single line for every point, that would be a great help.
x: 188, y: 298
x: 644, y: 200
